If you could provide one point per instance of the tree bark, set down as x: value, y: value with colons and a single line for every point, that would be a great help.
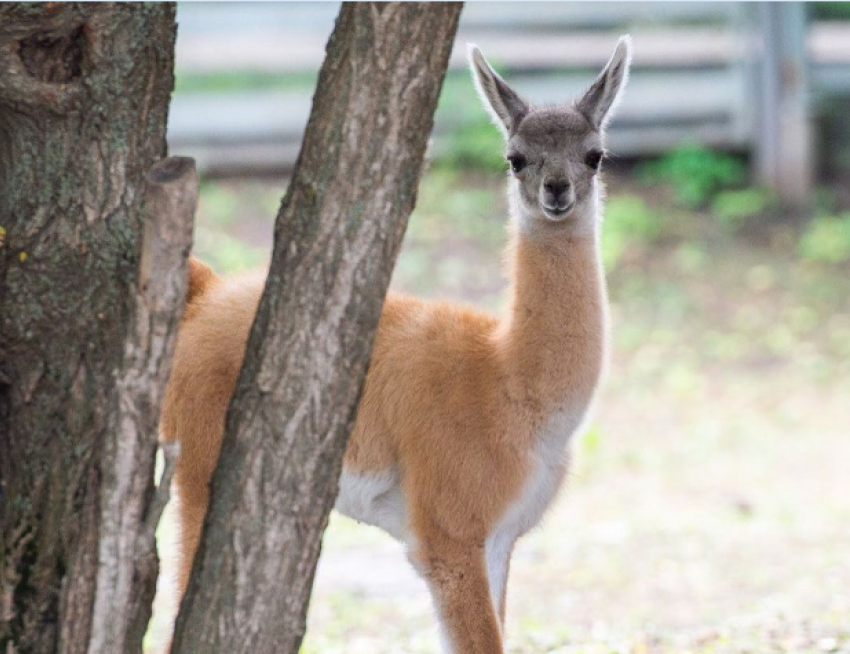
x: 92, y: 258
x: 336, y: 239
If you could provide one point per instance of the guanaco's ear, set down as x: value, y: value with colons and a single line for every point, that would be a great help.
x: 600, y: 100
x: 504, y: 104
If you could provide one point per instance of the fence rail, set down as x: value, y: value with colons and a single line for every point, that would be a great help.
x: 699, y: 72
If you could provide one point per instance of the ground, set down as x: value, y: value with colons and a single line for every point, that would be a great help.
x: 709, y: 507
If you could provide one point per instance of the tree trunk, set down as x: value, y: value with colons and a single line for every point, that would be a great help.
x: 336, y: 239
x: 92, y: 258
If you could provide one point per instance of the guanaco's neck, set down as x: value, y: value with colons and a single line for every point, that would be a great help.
x: 553, y: 337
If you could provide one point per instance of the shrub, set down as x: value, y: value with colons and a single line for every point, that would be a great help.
x: 694, y: 173
x: 471, y: 141
x: 473, y: 146
x: 628, y: 221
x: 838, y: 11
x: 735, y: 207
x: 827, y: 240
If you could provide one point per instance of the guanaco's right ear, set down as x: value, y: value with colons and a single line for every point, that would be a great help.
x: 504, y: 104
x: 600, y: 100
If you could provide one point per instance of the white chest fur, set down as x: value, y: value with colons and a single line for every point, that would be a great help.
x: 374, y: 498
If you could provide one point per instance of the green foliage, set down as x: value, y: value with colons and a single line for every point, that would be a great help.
x: 736, y: 206
x: 448, y: 202
x: 473, y: 146
x: 472, y: 141
x: 838, y: 11
x: 827, y: 240
x: 219, y: 204
x: 694, y: 173
x: 226, y: 253
x: 628, y: 221
x: 825, y: 200
x: 232, y: 223
x: 242, y: 81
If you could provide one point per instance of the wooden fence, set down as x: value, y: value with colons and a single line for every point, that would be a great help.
x: 733, y: 75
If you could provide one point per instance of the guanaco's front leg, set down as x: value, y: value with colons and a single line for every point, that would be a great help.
x: 456, y: 573
x: 498, y: 551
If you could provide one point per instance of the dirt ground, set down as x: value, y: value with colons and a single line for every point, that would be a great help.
x: 709, y: 507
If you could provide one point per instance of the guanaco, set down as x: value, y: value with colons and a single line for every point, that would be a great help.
x: 463, y: 430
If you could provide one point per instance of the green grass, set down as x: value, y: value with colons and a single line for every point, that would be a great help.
x: 827, y: 240
x: 707, y: 508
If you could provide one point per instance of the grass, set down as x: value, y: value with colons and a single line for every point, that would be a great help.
x: 708, y: 511
x: 827, y: 239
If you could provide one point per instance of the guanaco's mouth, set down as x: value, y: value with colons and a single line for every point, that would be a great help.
x: 558, y: 213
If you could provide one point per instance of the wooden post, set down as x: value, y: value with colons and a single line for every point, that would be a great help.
x: 128, y: 565
x: 783, y: 150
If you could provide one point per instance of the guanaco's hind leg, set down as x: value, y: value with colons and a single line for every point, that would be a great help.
x: 194, y: 415
x: 191, y: 506
x: 192, y: 503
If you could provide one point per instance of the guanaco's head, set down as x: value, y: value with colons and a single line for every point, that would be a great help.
x: 555, y: 152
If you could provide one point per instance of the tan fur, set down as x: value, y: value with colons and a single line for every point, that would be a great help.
x: 453, y: 398
x: 201, y: 276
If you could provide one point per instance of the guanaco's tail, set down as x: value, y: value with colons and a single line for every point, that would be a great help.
x: 201, y: 276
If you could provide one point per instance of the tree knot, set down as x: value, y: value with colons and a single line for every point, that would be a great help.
x: 54, y: 59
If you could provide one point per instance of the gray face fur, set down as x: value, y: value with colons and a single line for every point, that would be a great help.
x: 554, y: 151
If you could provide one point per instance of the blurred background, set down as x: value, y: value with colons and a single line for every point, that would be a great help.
x: 709, y: 507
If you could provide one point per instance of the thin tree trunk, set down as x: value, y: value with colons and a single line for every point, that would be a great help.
x: 336, y: 239
x: 91, y: 282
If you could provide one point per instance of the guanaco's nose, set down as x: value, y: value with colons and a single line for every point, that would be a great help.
x: 557, y: 189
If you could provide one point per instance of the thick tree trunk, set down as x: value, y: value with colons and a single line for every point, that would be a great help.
x: 91, y: 279
x: 337, y: 236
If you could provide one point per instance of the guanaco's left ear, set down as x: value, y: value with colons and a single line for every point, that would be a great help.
x: 504, y: 104
x: 600, y: 100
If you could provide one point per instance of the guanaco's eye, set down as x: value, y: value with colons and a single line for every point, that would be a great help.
x: 518, y: 162
x: 593, y: 159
